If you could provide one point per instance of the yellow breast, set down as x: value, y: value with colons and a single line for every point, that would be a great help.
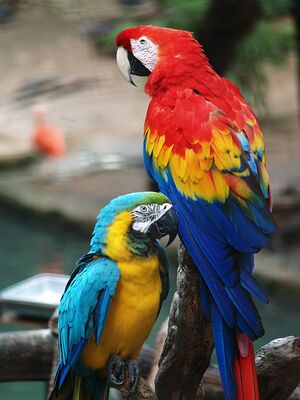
x: 132, y: 313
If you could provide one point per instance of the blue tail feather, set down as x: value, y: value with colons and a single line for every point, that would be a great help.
x: 225, y: 345
x: 97, y: 388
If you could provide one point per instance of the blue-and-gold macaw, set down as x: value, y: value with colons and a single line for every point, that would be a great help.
x: 204, y: 148
x: 114, y: 296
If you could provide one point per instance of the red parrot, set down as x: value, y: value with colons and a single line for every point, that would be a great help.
x: 46, y: 138
x: 204, y: 148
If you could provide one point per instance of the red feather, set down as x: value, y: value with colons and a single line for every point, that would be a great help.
x: 245, y: 372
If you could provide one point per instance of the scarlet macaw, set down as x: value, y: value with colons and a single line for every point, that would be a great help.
x: 204, y: 148
x: 114, y: 296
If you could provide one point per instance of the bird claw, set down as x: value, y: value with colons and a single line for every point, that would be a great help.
x: 116, y: 371
x: 119, y: 371
x: 133, y: 375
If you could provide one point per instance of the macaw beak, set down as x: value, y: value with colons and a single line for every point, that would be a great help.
x: 167, y: 224
x: 130, y: 65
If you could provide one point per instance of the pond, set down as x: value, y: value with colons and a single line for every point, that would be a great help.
x: 29, y: 246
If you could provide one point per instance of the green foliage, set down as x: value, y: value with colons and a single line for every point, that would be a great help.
x: 270, y: 42
x: 271, y: 8
x: 187, y: 15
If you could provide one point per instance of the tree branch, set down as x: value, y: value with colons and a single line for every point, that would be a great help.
x: 142, y: 392
x: 26, y: 356
x: 278, y: 368
x: 188, y: 346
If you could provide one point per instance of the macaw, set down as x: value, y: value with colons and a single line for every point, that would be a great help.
x: 204, y: 148
x: 113, y: 297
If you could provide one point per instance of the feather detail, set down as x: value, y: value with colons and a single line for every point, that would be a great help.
x: 101, y: 312
x: 158, y: 145
x: 252, y: 287
x: 245, y: 371
x: 225, y: 345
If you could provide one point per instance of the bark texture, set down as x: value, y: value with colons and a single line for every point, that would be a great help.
x: 143, y: 391
x: 188, y: 346
x: 278, y: 368
x: 26, y: 356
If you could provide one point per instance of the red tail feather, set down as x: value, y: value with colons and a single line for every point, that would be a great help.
x: 245, y: 370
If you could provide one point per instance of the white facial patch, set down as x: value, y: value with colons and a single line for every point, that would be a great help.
x: 146, y: 214
x: 145, y: 51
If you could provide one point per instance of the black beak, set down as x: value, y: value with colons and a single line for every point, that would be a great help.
x: 165, y: 225
x: 136, y: 67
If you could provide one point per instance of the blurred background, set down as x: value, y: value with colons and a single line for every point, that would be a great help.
x: 71, y: 133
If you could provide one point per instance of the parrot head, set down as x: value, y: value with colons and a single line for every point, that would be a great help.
x: 152, y: 50
x: 132, y: 222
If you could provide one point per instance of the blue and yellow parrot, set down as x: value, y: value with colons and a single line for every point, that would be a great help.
x: 114, y: 296
x: 204, y: 147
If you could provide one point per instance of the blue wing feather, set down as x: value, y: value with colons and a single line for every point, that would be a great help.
x: 83, y: 309
x: 101, y: 312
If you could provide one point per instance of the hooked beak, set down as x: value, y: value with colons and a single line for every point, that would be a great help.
x: 167, y: 224
x: 129, y: 65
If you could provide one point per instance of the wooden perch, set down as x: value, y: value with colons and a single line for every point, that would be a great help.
x: 278, y: 368
x: 143, y: 391
x: 26, y: 356
x: 188, y: 346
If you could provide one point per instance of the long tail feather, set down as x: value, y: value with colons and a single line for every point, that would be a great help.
x: 77, y: 388
x: 225, y: 344
x: 96, y: 388
x: 65, y: 392
x: 245, y: 370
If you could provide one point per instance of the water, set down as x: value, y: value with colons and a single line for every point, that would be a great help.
x: 30, y: 246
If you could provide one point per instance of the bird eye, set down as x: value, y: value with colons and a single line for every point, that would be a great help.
x: 142, y: 41
x: 143, y: 208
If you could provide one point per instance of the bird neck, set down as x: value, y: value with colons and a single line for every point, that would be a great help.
x: 140, y: 244
x: 188, y: 70
x: 122, y: 243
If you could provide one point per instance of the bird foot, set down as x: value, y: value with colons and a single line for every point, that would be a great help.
x: 133, y: 375
x: 123, y: 375
x: 116, y: 371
